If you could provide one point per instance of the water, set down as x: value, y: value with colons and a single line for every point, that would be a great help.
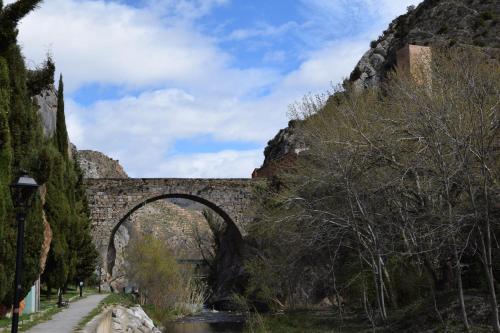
x: 208, y: 322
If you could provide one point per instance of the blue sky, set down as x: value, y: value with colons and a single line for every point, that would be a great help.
x: 196, y: 88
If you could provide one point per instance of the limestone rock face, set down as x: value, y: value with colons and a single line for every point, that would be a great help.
x: 437, y: 23
x: 47, y: 109
x: 432, y: 23
x: 95, y: 164
x: 285, y: 142
x: 281, y: 152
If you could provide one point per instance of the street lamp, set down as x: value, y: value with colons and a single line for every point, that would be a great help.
x: 22, y: 191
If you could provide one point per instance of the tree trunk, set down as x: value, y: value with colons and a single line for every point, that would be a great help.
x: 461, y: 290
x: 491, y: 286
x: 390, y: 293
x: 382, y: 288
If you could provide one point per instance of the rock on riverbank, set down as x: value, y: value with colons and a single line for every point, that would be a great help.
x: 122, y: 320
x: 132, y: 320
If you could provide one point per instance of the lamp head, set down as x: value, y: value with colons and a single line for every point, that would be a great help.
x: 22, y: 190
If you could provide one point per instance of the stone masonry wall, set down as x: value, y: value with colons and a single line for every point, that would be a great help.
x: 110, y: 200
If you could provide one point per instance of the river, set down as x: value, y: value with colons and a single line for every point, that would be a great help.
x: 208, y: 321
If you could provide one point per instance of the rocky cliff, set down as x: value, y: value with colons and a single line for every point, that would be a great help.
x: 442, y: 23
x: 46, y: 100
x: 47, y: 109
x: 95, y: 164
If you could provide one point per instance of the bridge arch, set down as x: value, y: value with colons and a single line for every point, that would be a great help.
x: 111, y: 201
x: 110, y: 255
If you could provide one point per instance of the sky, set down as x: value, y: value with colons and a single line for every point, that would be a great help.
x: 196, y: 88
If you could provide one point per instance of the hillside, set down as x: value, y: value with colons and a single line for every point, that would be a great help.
x: 437, y: 23
x: 95, y: 164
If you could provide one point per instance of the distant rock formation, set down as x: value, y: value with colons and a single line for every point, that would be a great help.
x: 95, y: 164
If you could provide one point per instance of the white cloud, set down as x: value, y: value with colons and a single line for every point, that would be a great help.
x: 136, y: 130
x: 187, y: 85
x: 111, y: 43
x: 353, y: 10
x: 183, y: 9
x: 275, y: 56
x: 223, y: 164
x: 262, y: 30
x: 331, y: 64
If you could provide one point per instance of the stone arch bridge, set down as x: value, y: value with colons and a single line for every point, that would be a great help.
x: 112, y: 201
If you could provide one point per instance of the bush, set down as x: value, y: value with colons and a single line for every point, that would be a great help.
x: 162, y: 282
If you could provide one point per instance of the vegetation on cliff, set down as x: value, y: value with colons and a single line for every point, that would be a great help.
x: 394, y: 203
x: 23, y: 147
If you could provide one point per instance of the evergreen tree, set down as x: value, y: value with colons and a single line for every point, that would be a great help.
x: 6, y: 249
x: 61, y: 132
x: 10, y: 16
x: 22, y: 146
x: 21, y: 136
x: 42, y: 77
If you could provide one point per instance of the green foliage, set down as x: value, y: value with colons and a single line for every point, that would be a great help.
x: 19, y: 136
x: 72, y: 255
x: 61, y: 132
x: 154, y: 269
x: 10, y: 16
x: 6, y: 249
x: 165, y: 286
x: 41, y: 78
x: 22, y: 146
x: 25, y: 127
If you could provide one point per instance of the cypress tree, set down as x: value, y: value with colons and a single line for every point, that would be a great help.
x: 6, y: 249
x: 61, y: 131
x: 10, y: 16
x: 22, y: 146
x: 21, y: 136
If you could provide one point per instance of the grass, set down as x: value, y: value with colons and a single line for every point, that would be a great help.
x: 48, y: 308
x: 312, y: 322
x: 111, y: 299
x: 162, y: 316
x: 299, y: 322
x: 419, y: 316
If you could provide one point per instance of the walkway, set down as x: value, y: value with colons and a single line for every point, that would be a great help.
x: 66, y: 320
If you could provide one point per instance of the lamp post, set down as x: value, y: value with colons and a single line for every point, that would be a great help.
x: 100, y: 278
x: 22, y: 191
